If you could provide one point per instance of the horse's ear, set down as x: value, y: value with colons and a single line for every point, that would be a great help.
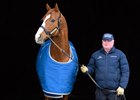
x: 56, y: 7
x: 48, y: 7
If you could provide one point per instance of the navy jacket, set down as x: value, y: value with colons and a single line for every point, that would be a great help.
x: 111, y: 69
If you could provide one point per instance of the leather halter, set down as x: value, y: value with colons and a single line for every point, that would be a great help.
x: 50, y: 33
x: 54, y: 29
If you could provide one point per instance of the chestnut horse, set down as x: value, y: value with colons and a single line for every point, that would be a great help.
x: 57, y: 59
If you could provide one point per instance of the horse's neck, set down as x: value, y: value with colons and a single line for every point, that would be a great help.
x: 62, y: 41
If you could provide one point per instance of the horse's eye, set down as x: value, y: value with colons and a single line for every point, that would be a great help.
x: 52, y: 20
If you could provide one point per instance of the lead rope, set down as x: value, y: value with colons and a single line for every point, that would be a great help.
x: 62, y: 50
x: 113, y: 91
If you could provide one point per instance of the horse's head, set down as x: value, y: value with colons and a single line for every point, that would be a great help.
x: 50, y: 26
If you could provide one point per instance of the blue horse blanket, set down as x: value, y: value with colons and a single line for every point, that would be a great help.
x: 56, y: 78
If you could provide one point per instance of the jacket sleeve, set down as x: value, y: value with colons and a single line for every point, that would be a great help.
x: 125, y: 72
x: 91, y: 64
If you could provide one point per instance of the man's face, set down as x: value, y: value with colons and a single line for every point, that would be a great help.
x: 107, y: 44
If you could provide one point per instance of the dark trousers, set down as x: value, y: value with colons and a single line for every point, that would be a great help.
x: 106, y: 95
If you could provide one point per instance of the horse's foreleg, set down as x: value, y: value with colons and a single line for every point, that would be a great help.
x: 65, y: 97
x: 46, y: 98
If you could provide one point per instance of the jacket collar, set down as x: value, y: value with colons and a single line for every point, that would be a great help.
x: 111, y: 51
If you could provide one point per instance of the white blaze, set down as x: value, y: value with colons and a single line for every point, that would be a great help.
x: 40, y: 30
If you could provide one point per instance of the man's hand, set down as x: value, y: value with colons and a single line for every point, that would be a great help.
x: 120, y: 91
x: 84, y: 69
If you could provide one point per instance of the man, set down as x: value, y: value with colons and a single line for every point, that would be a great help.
x: 111, y: 70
